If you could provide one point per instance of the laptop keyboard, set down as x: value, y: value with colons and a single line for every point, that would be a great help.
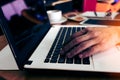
x: 54, y: 53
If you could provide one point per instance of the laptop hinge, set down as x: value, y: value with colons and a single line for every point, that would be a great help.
x: 28, y: 62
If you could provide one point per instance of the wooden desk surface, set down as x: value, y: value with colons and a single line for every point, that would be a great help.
x: 3, y: 42
x: 71, y: 75
x: 58, y: 75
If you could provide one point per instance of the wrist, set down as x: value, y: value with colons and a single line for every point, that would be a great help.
x: 118, y: 32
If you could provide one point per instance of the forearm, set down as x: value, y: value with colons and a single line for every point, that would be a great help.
x: 109, y: 1
x: 30, y: 18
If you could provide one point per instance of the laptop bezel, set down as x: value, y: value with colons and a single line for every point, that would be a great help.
x: 5, y: 28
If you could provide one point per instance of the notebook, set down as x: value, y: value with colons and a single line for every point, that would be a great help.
x: 37, y: 46
x: 99, y: 15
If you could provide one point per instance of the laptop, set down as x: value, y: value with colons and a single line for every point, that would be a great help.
x: 37, y: 46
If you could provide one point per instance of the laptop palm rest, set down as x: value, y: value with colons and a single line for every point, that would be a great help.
x: 108, y: 61
x: 7, y: 60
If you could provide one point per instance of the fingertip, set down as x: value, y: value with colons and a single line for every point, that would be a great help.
x: 80, y: 56
x: 69, y: 55
x: 84, y: 55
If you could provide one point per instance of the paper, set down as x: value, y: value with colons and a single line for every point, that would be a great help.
x: 98, y: 14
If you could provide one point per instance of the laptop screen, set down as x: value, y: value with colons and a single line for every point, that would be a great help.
x: 24, y: 27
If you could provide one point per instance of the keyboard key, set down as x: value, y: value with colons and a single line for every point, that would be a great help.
x: 77, y: 60
x: 86, y: 60
x: 69, y: 60
x: 49, y: 55
x: 62, y: 59
x: 54, y: 58
x: 79, y: 29
x: 53, y: 61
x: 46, y: 60
x: 74, y: 30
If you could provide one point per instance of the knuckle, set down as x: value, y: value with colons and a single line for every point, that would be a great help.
x: 94, y: 34
x: 73, y: 35
x: 83, y: 45
x: 102, y: 43
x: 75, y: 40
x: 97, y: 40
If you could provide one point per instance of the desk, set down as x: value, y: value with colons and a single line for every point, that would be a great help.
x: 58, y: 75
x: 3, y: 42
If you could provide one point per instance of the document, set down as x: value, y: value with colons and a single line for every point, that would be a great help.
x: 99, y: 15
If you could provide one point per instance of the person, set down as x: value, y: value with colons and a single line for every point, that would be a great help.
x: 1, y: 33
x: 111, y: 1
x: 29, y: 15
x: 90, y: 41
x: 109, y: 6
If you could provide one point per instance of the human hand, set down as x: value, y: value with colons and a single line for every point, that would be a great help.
x: 108, y: 1
x: 90, y: 41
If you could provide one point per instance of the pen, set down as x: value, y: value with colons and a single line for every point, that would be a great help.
x: 108, y: 13
x: 95, y: 13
